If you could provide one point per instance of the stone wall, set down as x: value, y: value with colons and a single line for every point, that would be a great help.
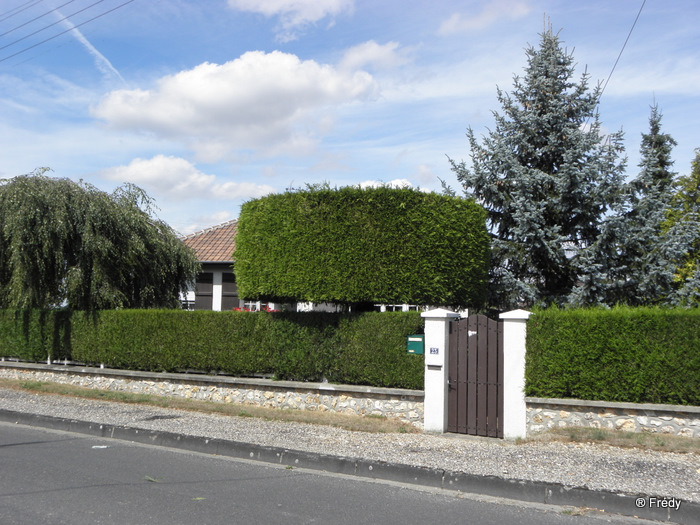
x: 545, y: 414
x: 404, y: 405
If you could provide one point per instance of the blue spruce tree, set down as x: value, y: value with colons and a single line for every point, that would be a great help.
x: 685, y: 209
x: 547, y: 177
x: 636, y: 258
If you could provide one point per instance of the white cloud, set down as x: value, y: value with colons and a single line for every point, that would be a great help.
x: 294, y: 15
x: 178, y: 179
x: 425, y: 174
x: 371, y: 53
x: 490, y: 13
x: 266, y: 102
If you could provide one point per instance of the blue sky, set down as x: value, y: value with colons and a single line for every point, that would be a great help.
x: 207, y: 104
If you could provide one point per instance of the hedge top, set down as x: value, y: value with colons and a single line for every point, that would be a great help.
x: 353, y: 245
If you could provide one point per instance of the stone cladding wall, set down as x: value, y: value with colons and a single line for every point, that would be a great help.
x: 679, y: 420
x: 404, y: 405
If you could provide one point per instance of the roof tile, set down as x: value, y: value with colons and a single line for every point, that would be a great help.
x: 215, y: 244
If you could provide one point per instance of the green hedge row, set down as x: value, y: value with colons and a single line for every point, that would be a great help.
x: 638, y: 355
x: 32, y: 334
x: 363, y: 349
x: 352, y: 245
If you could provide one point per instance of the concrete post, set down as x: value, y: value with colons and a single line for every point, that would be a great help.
x: 436, y: 362
x: 514, y: 409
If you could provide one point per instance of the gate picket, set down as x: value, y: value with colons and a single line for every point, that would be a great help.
x: 469, y: 357
x: 453, y: 386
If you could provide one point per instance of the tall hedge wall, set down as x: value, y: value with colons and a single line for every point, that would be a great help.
x: 352, y: 245
x: 639, y: 355
x: 32, y: 335
x: 364, y: 349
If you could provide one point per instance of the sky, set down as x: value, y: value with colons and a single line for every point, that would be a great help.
x: 208, y: 104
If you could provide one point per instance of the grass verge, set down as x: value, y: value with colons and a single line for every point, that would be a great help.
x: 374, y: 424
x: 616, y: 438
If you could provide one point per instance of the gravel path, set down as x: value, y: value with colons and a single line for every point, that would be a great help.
x: 595, y: 466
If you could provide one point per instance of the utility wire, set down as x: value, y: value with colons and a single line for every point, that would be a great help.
x: 67, y: 30
x: 50, y: 25
x: 36, y: 18
x: 621, y: 50
x: 17, y: 10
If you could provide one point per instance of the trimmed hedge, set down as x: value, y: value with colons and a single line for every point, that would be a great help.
x: 352, y: 245
x: 372, y: 350
x: 32, y: 334
x: 362, y: 349
x: 637, y: 355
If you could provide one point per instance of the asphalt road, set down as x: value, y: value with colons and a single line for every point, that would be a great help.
x: 52, y: 477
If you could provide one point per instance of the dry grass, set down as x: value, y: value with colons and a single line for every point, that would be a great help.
x: 374, y: 424
x: 615, y: 438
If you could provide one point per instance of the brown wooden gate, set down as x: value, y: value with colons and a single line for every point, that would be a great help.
x: 475, y: 402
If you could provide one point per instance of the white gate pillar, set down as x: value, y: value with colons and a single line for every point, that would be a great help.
x: 437, y: 339
x: 514, y: 408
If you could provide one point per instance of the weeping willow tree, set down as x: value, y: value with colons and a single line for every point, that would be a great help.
x: 69, y: 244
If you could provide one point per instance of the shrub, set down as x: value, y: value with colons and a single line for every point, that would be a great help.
x: 352, y: 245
x: 34, y: 335
x: 638, y: 355
x: 368, y: 348
x: 372, y: 351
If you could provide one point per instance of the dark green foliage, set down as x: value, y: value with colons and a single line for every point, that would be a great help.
x: 64, y: 243
x: 352, y: 245
x: 171, y: 340
x: 372, y: 351
x: 303, y: 344
x: 638, y: 355
x: 34, y: 335
x: 366, y: 349
x: 547, y: 176
x: 685, y: 208
x: 636, y: 258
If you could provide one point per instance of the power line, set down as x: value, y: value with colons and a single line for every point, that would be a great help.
x: 36, y: 18
x: 50, y: 25
x: 17, y: 10
x: 622, y: 50
x: 76, y: 26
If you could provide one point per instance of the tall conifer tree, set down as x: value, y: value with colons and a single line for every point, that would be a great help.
x: 631, y: 251
x: 636, y: 258
x: 686, y: 209
x: 547, y: 177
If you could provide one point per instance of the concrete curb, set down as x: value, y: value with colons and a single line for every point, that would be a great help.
x: 530, y: 491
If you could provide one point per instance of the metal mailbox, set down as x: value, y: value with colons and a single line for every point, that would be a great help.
x: 415, y: 344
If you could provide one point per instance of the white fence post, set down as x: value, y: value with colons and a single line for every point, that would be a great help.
x: 514, y: 408
x: 437, y: 336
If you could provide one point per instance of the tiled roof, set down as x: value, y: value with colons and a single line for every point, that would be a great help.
x: 215, y: 244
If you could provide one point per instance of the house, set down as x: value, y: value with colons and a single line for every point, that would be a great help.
x: 215, y: 288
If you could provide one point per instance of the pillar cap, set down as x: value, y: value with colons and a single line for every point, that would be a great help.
x: 515, y: 315
x: 439, y: 313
